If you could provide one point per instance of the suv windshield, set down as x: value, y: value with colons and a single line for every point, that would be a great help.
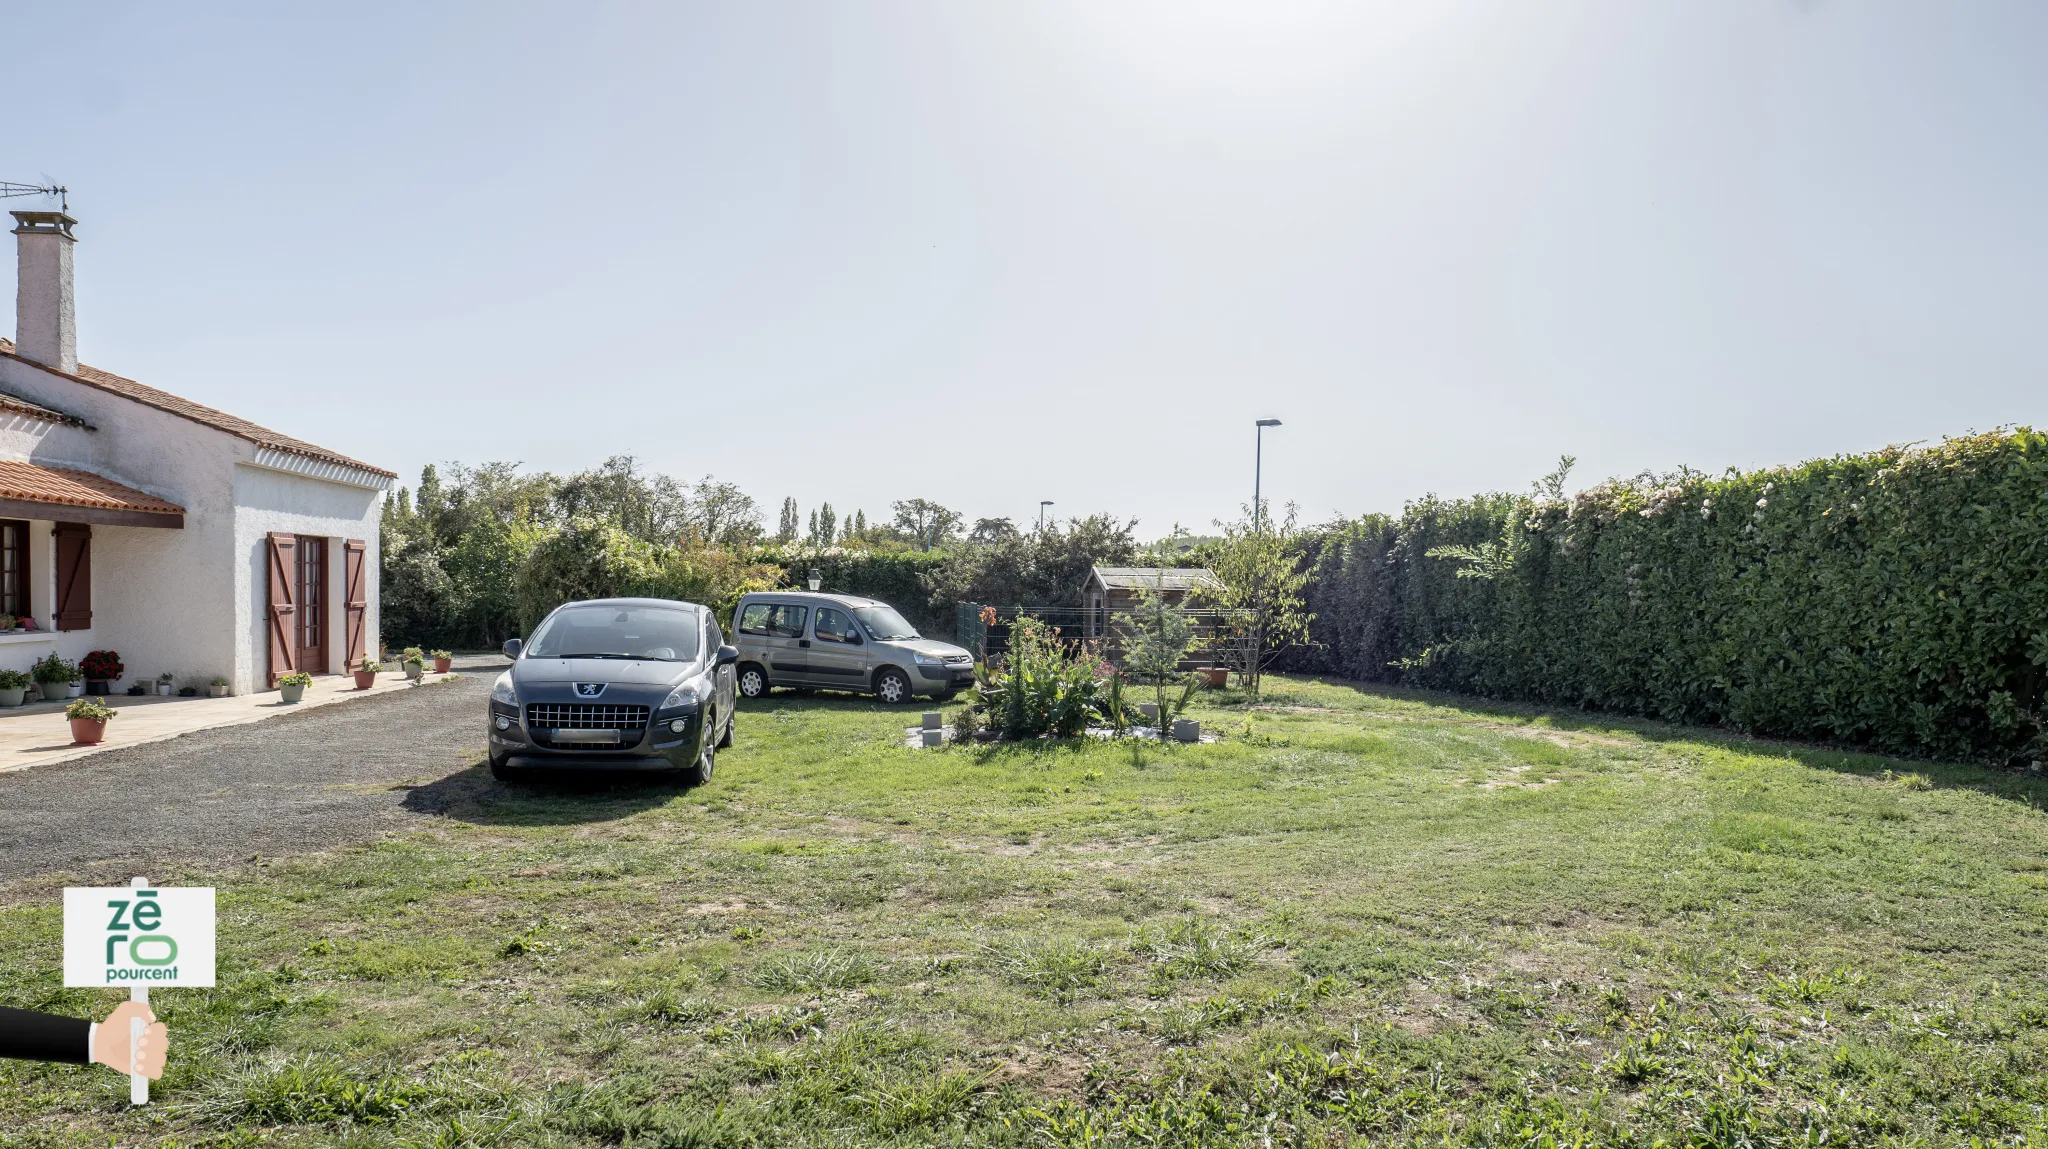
x: 592, y: 631
x: 884, y: 623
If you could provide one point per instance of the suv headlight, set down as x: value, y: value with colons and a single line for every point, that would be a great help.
x: 690, y: 693
x: 501, y: 690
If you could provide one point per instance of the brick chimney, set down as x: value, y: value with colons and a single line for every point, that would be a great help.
x: 45, y: 315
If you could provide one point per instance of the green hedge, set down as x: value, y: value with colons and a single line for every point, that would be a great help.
x: 900, y: 578
x: 1895, y: 600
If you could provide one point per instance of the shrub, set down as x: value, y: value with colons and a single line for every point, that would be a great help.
x: 56, y: 668
x: 100, y: 664
x: 440, y: 655
x: 1043, y: 685
x: 295, y: 678
x: 14, y: 680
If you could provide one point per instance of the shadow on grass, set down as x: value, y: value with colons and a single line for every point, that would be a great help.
x: 547, y: 798
x: 2027, y: 788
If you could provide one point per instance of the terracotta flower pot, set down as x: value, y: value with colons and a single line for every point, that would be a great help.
x: 365, y: 679
x: 88, y: 731
x: 1219, y: 676
x: 442, y: 665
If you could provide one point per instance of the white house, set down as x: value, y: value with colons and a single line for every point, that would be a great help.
x: 181, y: 537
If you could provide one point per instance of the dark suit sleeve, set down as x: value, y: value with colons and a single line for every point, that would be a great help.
x: 44, y: 1036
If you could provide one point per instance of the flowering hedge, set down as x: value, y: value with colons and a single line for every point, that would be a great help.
x: 1896, y: 600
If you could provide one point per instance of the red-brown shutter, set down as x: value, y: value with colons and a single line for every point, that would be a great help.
x: 353, y: 603
x: 283, y: 569
x: 74, y: 576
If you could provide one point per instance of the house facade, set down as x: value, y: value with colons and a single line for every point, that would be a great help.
x: 181, y: 537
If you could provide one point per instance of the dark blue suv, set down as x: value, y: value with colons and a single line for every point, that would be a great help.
x: 615, y: 684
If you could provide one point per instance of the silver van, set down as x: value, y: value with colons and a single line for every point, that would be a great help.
x: 839, y: 642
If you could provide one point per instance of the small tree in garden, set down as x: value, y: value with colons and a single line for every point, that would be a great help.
x: 1158, y: 633
x: 1259, y: 587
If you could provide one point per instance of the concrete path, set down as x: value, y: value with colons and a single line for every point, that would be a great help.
x: 38, y: 734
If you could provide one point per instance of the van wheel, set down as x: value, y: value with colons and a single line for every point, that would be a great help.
x: 753, y: 682
x: 892, y: 687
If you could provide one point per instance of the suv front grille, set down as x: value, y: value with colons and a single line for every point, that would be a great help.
x: 543, y: 718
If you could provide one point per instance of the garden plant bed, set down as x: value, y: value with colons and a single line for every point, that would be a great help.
x: 1326, y: 928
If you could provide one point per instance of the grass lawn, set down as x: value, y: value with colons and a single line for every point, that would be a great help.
x: 1363, y: 918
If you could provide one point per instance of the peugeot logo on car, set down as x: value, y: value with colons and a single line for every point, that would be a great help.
x: 589, y: 689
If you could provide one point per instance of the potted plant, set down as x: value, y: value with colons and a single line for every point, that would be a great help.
x: 164, y: 683
x: 58, y: 677
x: 7, y: 623
x: 13, y: 687
x: 366, y: 673
x: 100, y: 668
x: 89, y: 718
x: 413, y: 662
x: 24, y: 623
x: 443, y: 661
x: 218, y: 688
x: 292, y: 687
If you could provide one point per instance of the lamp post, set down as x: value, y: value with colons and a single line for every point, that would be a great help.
x: 1258, y: 467
x: 815, y: 579
x: 1042, y: 504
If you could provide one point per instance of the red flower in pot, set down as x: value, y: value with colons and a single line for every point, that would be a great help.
x: 102, y: 666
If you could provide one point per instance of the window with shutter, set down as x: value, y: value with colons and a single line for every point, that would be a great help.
x: 74, y: 576
x: 283, y: 609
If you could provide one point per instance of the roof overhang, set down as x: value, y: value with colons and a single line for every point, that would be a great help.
x: 272, y: 459
x: 64, y: 494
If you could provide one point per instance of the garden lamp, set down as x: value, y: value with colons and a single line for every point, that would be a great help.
x: 1042, y: 504
x: 815, y: 578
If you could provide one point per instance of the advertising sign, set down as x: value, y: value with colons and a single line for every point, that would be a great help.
x: 148, y: 938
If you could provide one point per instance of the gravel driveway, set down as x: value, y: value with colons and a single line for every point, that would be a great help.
x: 298, y: 782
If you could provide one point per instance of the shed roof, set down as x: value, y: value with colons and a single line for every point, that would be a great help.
x: 65, y: 487
x: 198, y: 413
x: 1153, y: 578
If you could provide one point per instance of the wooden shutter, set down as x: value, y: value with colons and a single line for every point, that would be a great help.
x: 354, y: 605
x: 74, y: 576
x: 283, y: 609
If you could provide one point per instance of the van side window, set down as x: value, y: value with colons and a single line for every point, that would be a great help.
x: 836, y: 626
x: 774, y: 620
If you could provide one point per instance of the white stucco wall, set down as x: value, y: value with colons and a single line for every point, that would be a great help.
x: 266, y: 501
x: 191, y: 601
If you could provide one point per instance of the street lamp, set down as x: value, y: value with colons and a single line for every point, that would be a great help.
x: 815, y: 579
x: 1258, y: 466
x: 1042, y: 504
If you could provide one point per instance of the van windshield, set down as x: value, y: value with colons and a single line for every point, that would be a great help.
x: 884, y: 623
x: 655, y: 633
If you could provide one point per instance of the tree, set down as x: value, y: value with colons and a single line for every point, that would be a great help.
x: 1259, y: 589
x: 723, y: 515
x: 926, y: 523
x: 988, y: 532
x: 1157, y: 633
x: 786, y: 526
x: 650, y: 508
x: 860, y: 525
x: 828, y: 525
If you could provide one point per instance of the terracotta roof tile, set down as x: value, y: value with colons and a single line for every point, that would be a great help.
x: 64, y: 487
x: 21, y: 406
x: 199, y: 413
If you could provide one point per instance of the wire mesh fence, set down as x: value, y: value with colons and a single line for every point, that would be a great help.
x: 1107, y: 631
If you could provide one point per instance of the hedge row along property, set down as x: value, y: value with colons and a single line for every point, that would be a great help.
x: 1895, y: 600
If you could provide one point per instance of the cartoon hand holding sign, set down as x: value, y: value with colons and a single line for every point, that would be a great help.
x: 138, y: 937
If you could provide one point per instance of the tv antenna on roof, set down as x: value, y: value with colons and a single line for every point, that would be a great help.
x: 12, y: 190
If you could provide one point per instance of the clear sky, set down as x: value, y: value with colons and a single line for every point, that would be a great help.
x: 992, y: 253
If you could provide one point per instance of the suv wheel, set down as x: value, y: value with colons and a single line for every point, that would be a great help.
x: 706, y: 762
x: 725, y: 739
x: 753, y: 682
x: 892, y: 687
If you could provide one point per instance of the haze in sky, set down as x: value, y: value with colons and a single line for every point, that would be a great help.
x: 995, y: 253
